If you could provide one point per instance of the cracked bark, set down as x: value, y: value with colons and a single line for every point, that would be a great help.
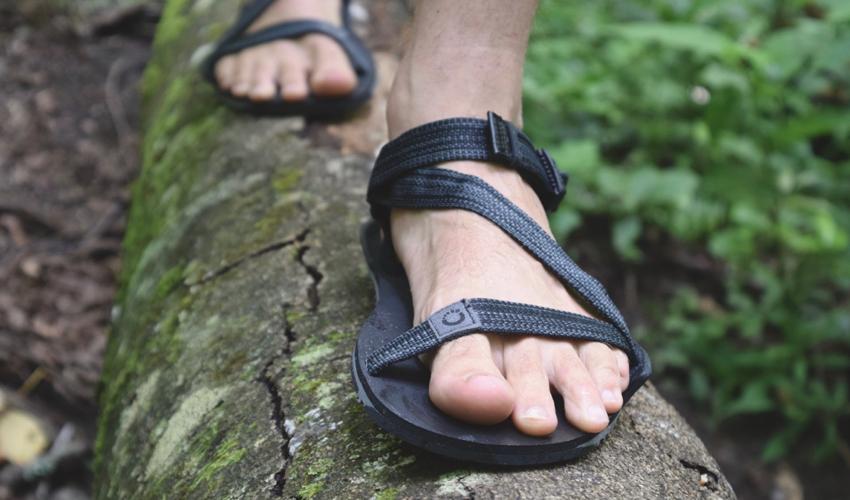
x: 278, y: 418
x: 315, y: 277
x: 211, y: 275
x: 711, y: 476
x: 227, y: 373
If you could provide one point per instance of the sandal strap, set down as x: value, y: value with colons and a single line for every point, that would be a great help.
x: 252, y: 10
x: 236, y: 39
x: 292, y: 30
x: 470, y: 139
x: 247, y: 15
x: 493, y: 316
x: 432, y: 187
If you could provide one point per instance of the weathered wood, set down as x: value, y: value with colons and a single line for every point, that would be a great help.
x: 227, y: 373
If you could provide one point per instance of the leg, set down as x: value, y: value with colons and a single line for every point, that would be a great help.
x: 313, y: 63
x: 464, y: 59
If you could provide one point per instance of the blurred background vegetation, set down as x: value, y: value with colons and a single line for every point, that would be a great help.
x: 707, y: 144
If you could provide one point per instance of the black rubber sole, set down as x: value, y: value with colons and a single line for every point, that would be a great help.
x: 397, y: 400
x: 325, y: 109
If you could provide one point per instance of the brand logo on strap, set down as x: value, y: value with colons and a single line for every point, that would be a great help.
x: 454, y: 317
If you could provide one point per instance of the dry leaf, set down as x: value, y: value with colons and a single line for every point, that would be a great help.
x: 22, y: 438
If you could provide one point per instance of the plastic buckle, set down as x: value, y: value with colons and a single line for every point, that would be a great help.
x: 503, y: 137
x: 557, y: 179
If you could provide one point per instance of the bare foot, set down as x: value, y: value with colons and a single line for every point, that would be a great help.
x: 313, y: 64
x: 449, y: 255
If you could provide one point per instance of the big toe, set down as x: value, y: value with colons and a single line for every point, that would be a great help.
x: 467, y: 384
x: 332, y: 74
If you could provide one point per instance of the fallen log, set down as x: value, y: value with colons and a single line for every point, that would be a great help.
x: 227, y: 372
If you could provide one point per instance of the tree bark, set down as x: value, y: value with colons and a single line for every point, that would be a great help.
x: 227, y: 373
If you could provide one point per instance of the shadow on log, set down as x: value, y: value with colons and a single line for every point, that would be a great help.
x: 227, y: 373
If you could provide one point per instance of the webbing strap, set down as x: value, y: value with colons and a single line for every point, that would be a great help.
x: 405, y: 177
x: 293, y: 30
x: 237, y: 38
x: 470, y: 139
x: 493, y: 316
x: 430, y: 188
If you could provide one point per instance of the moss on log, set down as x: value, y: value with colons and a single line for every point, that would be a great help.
x: 227, y: 373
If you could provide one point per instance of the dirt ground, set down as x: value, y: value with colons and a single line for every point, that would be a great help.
x: 68, y: 153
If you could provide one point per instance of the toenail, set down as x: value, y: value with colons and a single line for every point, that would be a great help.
x: 610, y: 396
x: 596, y: 414
x: 535, y: 413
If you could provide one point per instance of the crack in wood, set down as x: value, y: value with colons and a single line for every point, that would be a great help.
x: 316, y: 277
x: 272, y: 247
x: 278, y: 413
x: 711, y: 476
x: 278, y: 418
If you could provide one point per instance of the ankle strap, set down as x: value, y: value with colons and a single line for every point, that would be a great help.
x: 470, y: 139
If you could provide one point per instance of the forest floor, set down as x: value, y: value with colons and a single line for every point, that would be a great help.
x: 68, y: 154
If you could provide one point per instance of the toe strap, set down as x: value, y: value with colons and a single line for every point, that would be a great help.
x: 237, y: 39
x: 359, y: 58
x: 494, y: 316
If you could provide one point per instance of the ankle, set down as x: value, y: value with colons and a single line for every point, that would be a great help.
x: 326, y: 10
x: 427, y: 89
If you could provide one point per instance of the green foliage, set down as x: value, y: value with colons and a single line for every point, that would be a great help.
x: 717, y: 131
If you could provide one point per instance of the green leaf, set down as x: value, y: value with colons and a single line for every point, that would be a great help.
x: 694, y: 37
x: 576, y: 157
x: 625, y: 233
x: 563, y: 222
x: 754, y: 399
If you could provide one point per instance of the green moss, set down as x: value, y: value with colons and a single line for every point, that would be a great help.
x: 286, y: 180
x: 320, y: 467
x: 157, y: 194
x: 192, y: 412
x: 173, y: 22
x: 387, y: 494
x: 312, y: 355
x: 274, y: 217
x: 193, y: 273
x: 310, y: 490
x: 152, y: 81
x: 337, y: 336
x: 228, y: 453
x: 293, y: 315
x: 168, y: 282
x: 304, y: 383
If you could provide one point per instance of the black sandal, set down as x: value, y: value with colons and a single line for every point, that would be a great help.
x: 391, y: 381
x: 313, y: 106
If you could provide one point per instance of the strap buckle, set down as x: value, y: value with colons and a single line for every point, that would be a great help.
x: 505, y: 143
x: 557, y: 179
x: 503, y: 137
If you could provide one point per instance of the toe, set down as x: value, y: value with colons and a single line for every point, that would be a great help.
x: 534, y: 409
x: 225, y: 71
x: 243, y: 77
x: 623, y: 366
x: 264, y: 80
x: 467, y: 384
x: 582, y: 403
x: 602, y: 365
x: 292, y: 73
x: 332, y: 73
